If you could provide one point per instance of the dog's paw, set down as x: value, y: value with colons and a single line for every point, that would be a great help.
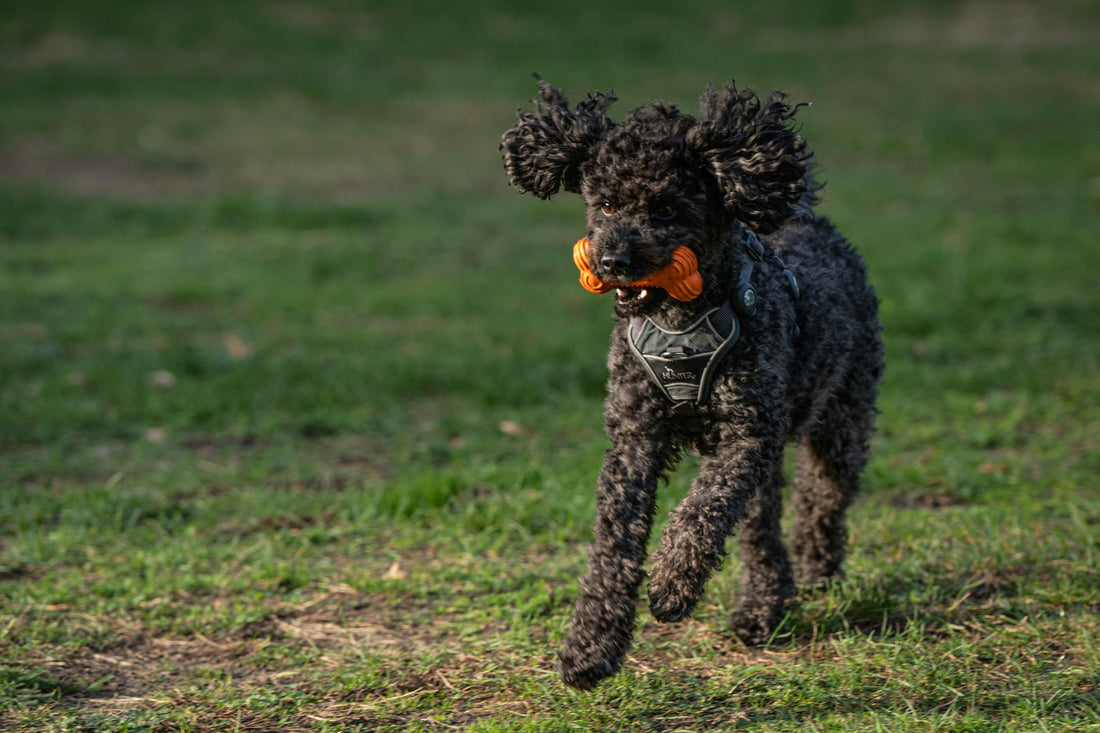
x: 583, y: 670
x: 670, y: 604
x: 818, y: 575
x: 751, y: 629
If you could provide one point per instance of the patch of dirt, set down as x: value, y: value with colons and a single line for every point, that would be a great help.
x: 1012, y: 25
x: 142, y: 669
x: 343, y: 462
x: 931, y: 500
x: 101, y: 173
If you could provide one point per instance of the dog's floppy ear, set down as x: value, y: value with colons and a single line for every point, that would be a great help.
x: 544, y: 151
x: 760, y: 161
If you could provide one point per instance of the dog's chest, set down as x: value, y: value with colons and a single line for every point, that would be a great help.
x: 682, y: 363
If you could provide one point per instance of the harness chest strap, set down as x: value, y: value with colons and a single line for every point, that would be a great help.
x: 682, y: 363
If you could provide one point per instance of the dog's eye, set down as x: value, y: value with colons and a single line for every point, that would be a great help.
x: 663, y: 212
x: 607, y: 208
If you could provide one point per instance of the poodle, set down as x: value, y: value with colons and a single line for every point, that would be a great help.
x: 744, y: 322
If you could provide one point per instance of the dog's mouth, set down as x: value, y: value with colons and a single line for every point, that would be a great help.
x: 633, y: 296
x: 632, y: 300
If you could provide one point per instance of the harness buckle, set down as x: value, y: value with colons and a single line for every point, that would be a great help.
x: 674, y: 351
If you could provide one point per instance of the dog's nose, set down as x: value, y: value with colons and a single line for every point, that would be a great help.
x: 615, y: 263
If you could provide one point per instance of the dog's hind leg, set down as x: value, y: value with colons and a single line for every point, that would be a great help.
x: 829, y: 462
x: 767, y: 581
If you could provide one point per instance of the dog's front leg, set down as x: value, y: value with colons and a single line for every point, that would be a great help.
x: 694, y: 540
x: 603, y: 618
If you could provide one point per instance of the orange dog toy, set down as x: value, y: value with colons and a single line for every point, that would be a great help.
x: 680, y: 277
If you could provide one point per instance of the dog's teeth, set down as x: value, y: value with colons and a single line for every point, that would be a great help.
x: 643, y: 294
x: 620, y: 292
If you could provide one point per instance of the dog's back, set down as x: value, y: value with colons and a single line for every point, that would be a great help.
x: 836, y: 315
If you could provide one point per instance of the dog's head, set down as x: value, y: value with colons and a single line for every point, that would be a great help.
x: 660, y: 179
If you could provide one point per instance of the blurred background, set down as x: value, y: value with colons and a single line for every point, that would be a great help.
x: 263, y: 284
x: 295, y: 214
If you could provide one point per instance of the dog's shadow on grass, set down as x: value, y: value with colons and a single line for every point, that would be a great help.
x: 875, y: 607
x: 836, y: 653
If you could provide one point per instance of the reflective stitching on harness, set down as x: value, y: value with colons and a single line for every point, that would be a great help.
x: 682, y: 363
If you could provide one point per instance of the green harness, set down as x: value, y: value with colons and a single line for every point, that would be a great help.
x: 682, y: 363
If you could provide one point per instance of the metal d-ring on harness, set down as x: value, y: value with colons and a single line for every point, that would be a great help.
x: 682, y: 363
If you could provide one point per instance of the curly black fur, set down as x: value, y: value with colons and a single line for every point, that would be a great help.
x: 805, y: 370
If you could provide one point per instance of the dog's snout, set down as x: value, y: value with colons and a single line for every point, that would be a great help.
x: 615, y: 263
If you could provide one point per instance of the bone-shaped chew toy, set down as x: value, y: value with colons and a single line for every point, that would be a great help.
x: 680, y: 278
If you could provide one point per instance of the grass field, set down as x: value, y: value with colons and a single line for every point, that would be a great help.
x: 300, y: 403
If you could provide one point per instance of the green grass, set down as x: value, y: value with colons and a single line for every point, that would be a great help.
x: 300, y: 403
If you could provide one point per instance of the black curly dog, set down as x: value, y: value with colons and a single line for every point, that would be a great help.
x: 781, y: 344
